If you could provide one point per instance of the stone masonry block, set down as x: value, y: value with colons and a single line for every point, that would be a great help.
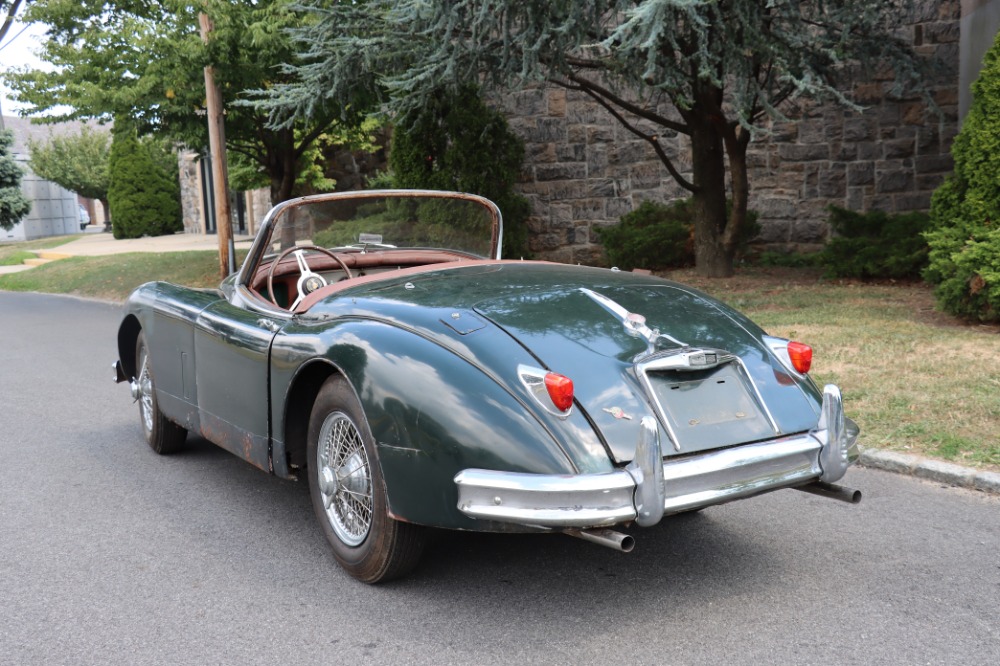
x: 571, y: 152
x: 893, y: 181
x: 566, y: 171
x: 792, y: 152
x: 897, y: 148
x: 913, y: 201
x: 861, y: 173
x: 556, y: 98
x: 771, y: 207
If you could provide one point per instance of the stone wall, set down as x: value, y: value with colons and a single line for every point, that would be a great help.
x: 583, y: 170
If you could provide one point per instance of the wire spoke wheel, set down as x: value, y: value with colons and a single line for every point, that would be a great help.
x: 162, y: 435
x: 345, y: 479
x: 348, y: 492
x: 145, y: 392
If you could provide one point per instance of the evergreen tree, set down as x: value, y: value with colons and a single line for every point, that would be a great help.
x: 458, y: 143
x: 714, y: 72
x: 144, y: 199
x: 13, y: 204
x: 964, y: 238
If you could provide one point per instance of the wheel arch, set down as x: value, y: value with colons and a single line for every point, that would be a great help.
x: 299, y: 402
x: 128, y: 336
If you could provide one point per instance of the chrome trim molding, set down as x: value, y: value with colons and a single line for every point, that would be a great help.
x: 634, y: 323
x: 681, y: 358
x: 533, y: 380
x: 585, y: 500
x: 676, y: 484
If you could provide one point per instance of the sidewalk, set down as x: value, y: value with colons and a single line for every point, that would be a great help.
x: 98, y: 244
x: 92, y: 245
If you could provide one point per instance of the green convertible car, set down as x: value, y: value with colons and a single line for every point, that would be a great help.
x: 376, y: 344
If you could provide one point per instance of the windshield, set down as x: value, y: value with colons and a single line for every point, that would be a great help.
x: 374, y: 220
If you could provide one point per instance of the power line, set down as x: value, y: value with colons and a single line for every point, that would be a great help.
x: 11, y: 40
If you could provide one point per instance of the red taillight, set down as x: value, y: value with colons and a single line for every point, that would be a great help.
x: 801, y: 356
x: 560, y: 389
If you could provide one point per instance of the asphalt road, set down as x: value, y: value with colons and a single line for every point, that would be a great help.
x: 110, y: 554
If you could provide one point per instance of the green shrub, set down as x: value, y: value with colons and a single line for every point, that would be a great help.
x: 381, y: 180
x: 964, y: 235
x: 143, y: 192
x: 458, y: 143
x: 656, y: 236
x: 875, y: 245
x: 773, y: 259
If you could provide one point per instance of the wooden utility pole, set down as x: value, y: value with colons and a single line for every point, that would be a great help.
x: 220, y: 172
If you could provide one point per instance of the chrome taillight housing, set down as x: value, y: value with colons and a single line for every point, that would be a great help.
x: 796, y: 356
x: 552, y: 391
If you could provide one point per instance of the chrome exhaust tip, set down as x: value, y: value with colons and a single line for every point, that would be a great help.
x: 604, y: 537
x: 842, y: 493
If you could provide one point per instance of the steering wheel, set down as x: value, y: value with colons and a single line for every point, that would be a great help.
x: 309, y: 281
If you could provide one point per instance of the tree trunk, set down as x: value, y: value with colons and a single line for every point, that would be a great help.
x: 281, y: 166
x: 107, y: 214
x: 736, y: 149
x: 708, y: 162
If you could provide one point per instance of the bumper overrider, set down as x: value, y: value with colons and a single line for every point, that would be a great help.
x: 651, y: 486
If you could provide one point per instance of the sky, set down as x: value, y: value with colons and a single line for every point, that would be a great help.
x: 16, y: 51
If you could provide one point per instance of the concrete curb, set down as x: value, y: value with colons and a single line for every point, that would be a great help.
x: 932, y: 470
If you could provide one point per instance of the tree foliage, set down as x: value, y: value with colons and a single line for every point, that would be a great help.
x: 458, y: 143
x: 713, y: 72
x: 965, y: 211
x: 78, y: 162
x: 143, y: 62
x: 144, y: 195
x: 13, y: 204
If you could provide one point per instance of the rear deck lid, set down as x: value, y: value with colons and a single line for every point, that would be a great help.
x: 572, y: 333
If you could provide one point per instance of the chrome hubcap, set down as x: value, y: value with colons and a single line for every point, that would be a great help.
x: 344, y: 479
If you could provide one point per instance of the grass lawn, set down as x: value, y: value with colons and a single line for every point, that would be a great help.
x: 114, y: 277
x: 12, y: 254
x: 914, y: 379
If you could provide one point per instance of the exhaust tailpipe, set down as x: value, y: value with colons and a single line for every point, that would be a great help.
x: 842, y: 493
x: 605, y: 537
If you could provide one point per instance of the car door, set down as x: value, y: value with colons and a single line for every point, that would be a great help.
x: 232, y: 347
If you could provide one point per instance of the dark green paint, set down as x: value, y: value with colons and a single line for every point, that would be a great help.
x: 433, y: 359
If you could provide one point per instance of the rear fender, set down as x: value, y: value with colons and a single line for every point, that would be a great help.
x: 432, y: 414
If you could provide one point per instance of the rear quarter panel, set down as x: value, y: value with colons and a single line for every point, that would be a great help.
x: 434, y: 413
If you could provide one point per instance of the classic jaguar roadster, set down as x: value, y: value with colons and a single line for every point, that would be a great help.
x: 376, y: 344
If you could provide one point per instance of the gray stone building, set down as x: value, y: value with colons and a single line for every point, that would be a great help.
x: 54, y: 210
x: 583, y: 170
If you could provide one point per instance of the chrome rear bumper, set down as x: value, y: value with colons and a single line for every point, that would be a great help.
x: 673, y: 484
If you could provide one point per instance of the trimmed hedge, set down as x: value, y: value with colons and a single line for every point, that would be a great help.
x: 143, y: 196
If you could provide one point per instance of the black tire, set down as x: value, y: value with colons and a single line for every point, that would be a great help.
x: 348, y: 493
x: 163, y: 435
